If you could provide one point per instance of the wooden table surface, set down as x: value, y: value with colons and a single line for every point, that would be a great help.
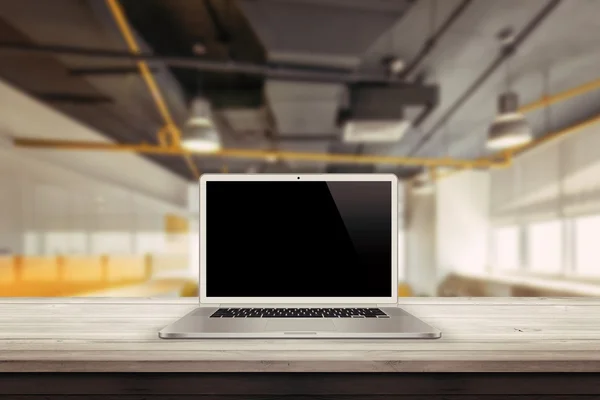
x: 479, y: 335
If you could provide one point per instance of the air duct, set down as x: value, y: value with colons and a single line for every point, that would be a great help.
x: 376, y: 113
x: 374, y: 131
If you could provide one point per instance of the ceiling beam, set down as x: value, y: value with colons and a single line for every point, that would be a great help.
x: 303, y: 137
x: 73, y: 98
x: 110, y: 71
x: 305, y: 73
x: 434, y: 39
x: 394, y: 6
x: 264, y: 155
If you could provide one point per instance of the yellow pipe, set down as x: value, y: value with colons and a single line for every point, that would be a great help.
x: 162, y: 137
x: 496, y: 162
x: 172, y: 128
x: 507, y: 155
x: 441, y: 175
x: 161, y: 105
x: 501, y: 159
x: 546, y: 138
x: 546, y: 101
x: 259, y: 154
x: 506, y: 162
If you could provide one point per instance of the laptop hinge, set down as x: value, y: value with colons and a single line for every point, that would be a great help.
x: 298, y: 305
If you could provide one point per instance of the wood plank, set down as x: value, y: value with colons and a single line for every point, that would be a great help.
x: 441, y: 311
x: 378, y: 350
x: 121, y: 334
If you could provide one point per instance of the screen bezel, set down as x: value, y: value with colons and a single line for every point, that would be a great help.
x: 393, y: 298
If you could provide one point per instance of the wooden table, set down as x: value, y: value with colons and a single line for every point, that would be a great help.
x: 496, y: 349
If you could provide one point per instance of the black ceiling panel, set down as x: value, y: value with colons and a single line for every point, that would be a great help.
x: 180, y: 27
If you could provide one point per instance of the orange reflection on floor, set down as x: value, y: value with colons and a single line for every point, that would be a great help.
x: 80, y: 275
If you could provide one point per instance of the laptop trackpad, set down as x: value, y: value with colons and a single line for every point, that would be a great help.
x: 300, y: 325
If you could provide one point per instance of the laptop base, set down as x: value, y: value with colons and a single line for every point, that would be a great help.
x: 198, y: 324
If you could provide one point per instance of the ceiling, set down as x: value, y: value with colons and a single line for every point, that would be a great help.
x: 309, y: 61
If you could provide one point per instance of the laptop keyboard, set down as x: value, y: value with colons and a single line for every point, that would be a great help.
x: 299, y: 313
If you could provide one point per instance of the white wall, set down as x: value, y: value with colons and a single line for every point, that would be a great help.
x: 450, y: 231
x: 556, y: 179
x: 194, y: 238
x: 462, y: 226
x: 447, y: 231
x: 420, y: 244
x: 48, y: 209
x: 11, y: 222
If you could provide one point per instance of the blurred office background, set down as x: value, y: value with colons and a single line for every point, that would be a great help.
x: 100, y: 151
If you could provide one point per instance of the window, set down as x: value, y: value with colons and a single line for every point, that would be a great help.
x: 544, y: 247
x: 32, y: 245
x: 587, y: 232
x: 56, y: 243
x: 115, y: 242
x: 78, y: 242
x: 149, y: 243
x: 506, y: 248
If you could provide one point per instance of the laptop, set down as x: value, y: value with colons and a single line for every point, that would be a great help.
x: 298, y: 256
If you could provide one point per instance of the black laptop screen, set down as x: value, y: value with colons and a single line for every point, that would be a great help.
x: 298, y: 239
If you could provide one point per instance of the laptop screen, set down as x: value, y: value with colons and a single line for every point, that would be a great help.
x: 298, y: 239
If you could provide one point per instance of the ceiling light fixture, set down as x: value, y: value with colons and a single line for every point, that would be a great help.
x: 375, y: 131
x: 201, y: 139
x: 199, y: 133
x: 510, y: 128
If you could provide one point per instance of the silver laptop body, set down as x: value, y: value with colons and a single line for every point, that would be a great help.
x: 298, y: 256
